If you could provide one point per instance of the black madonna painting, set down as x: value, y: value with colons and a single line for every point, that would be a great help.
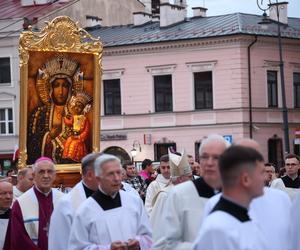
x: 60, y: 103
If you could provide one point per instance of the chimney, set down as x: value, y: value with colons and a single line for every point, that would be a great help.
x: 35, y: 2
x: 148, y: 5
x: 140, y: 18
x: 171, y: 13
x: 92, y: 21
x: 282, y: 10
x: 180, y: 3
x: 199, y: 12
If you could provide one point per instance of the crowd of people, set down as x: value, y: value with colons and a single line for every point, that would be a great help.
x: 230, y: 200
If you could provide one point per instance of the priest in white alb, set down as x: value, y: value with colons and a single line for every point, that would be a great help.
x: 272, y: 204
x: 181, y: 172
x: 161, y: 181
x: 181, y: 217
x: 228, y: 226
x: 111, y: 218
x: 63, y: 214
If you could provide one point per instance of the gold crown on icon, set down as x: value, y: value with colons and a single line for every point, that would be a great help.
x: 82, y: 97
x: 60, y: 66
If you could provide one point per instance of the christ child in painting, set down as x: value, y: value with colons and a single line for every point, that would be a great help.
x: 75, y: 147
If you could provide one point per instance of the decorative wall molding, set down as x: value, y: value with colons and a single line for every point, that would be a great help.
x: 271, y: 64
x: 201, y: 66
x: 161, y: 69
x: 112, y: 73
x: 295, y: 66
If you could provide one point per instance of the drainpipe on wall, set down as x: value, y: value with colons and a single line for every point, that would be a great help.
x: 250, y: 87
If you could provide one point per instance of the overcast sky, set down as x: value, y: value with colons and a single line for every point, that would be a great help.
x: 220, y: 7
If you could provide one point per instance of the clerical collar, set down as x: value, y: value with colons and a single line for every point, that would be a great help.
x: 232, y: 208
x: 102, y: 191
x: 88, y: 192
x: 122, y: 187
x: 107, y: 202
x: 203, y: 189
x: 4, y: 214
x: 290, y: 183
x: 45, y: 194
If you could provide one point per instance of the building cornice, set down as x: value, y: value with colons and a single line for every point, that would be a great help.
x: 177, y: 45
x: 200, y: 44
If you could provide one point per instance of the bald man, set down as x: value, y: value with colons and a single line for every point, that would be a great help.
x: 25, y: 182
x: 272, y: 204
x: 6, y: 197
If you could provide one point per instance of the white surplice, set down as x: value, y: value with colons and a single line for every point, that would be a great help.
x: 271, y: 212
x: 16, y: 193
x: 279, y: 184
x: 180, y: 219
x: 129, y: 189
x: 155, y: 186
x: 222, y: 231
x: 3, y: 229
x: 62, y: 218
x: 295, y: 223
x: 95, y: 228
x: 156, y: 214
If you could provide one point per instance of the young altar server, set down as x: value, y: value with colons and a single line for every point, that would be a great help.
x: 31, y: 212
x: 111, y: 218
x: 262, y: 210
x: 229, y: 227
x: 63, y: 215
x: 290, y: 183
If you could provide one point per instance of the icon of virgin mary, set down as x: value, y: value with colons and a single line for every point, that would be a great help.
x: 57, y: 80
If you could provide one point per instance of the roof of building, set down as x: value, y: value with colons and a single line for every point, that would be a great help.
x: 12, y: 9
x: 194, y: 28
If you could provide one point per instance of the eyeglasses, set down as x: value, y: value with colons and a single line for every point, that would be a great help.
x: 291, y: 164
x: 207, y: 157
x: 43, y: 172
x: 6, y: 193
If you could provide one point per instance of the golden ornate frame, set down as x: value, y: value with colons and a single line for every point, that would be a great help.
x: 62, y: 34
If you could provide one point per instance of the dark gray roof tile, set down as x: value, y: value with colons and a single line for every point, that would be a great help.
x: 194, y: 28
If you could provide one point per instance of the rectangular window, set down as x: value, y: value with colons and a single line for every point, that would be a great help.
x: 6, y: 121
x: 203, y: 90
x: 161, y: 149
x: 112, y: 97
x: 5, y: 70
x: 272, y: 89
x: 297, y: 90
x: 163, y: 93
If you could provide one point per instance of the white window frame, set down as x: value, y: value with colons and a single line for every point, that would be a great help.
x: 159, y: 70
x: 8, y: 84
x: 7, y: 121
x: 273, y: 66
x: 295, y: 69
x: 196, y: 67
x: 297, y: 72
x: 110, y: 74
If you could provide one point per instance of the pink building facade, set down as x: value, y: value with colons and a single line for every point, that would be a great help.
x: 209, y: 69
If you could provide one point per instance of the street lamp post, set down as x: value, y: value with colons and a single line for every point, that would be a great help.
x: 281, y: 68
x: 136, y: 145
